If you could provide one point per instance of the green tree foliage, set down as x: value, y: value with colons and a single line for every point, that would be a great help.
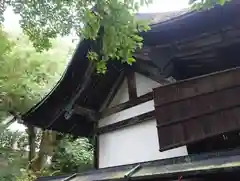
x: 25, y: 75
x: 72, y: 155
x: 13, y: 155
x: 44, y: 20
x: 10, y: 139
x: 119, y: 37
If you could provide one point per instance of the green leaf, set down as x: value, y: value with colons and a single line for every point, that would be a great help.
x: 42, y: 22
x: 131, y: 60
x: 221, y: 2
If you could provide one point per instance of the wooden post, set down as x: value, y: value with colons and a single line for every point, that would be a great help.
x: 32, y: 142
x: 132, y: 87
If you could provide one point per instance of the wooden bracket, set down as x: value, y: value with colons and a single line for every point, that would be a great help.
x: 91, y: 114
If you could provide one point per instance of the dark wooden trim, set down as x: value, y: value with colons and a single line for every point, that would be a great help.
x: 126, y: 105
x: 82, y: 110
x: 96, y: 149
x: 113, y: 91
x: 85, y: 81
x: 91, y: 114
x: 229, y: 78
x: 230, y: 104
x: 193, y: 45
x: 155, y: 77
x: 132, y: 87
x: 148, y: 69
x: 127, y: 122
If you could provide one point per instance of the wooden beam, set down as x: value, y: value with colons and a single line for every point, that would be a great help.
x: 113, y: 91
x: 150, y: 70
x: 195, y: 45
x: 91, y: 114
x: 132, y: 87
x: 127, y: 122
x: 126, y: 105
x: 85, y: 81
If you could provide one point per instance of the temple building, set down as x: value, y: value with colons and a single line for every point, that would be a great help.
x: 173, y: 115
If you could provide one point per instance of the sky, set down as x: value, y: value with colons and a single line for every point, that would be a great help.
x: 11, y: 23
x: 165, y: 6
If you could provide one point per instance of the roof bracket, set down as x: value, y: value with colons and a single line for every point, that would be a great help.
x: 69, y: 108
x: 132, y: 171
x: 92, y: 115
x: 68, y: 113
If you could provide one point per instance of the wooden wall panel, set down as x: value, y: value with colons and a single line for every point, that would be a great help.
x: 198, y: 108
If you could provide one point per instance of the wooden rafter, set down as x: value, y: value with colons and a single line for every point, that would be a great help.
x: 113, y: 91
x: 91, y: 114
x: 127, y: 122
x: 126, y: 105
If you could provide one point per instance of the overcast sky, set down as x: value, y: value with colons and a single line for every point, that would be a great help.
x: 11, y: 22
x: 165, y: 5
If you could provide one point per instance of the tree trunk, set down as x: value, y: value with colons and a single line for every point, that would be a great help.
x: 32, y: 142
x: 47, y: 147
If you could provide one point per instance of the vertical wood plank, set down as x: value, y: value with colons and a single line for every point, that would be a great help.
x: 113, y: 91
x: 132, y: 87
x: 96, y: 148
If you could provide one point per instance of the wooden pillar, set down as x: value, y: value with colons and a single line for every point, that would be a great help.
x: 96, y: 148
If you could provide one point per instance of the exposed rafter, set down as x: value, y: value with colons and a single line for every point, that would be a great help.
x: 127, y: 122
x: 120, y: 107
x: 113, y: 91
x: 150, y: 70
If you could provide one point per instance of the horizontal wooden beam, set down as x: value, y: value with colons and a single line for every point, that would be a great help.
x: 91, y: 114
x: 127, y: 122
x: 126, y: 105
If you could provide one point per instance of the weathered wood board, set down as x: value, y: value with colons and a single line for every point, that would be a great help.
x: 198, y: 108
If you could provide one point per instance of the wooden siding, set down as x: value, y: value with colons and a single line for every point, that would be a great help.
x: 195, y: 109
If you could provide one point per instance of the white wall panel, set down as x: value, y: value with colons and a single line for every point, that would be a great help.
x: 135, y: 143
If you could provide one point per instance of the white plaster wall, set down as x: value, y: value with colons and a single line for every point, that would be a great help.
x: 135, y: 143
x: 128, y: 113
x: 144, y: 84
x: 122, y: 95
